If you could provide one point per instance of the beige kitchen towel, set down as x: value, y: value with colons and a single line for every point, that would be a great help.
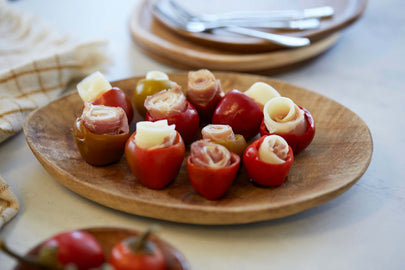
x: 8, y: 203
x: 37, y: 62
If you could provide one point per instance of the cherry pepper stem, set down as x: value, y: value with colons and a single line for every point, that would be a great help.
x: 28, y: 260
x: 141, y: 244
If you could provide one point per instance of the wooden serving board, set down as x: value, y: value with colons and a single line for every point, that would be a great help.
x: 338, y: 156
x: 109, y: 236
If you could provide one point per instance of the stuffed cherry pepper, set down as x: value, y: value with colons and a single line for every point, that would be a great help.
x: 154, y: 153
x: 240, y: 112
x: 292, y: 122
x: 267, y: 161
x: 224, y: 135
x: 211, y: 168
x: 101, y: 133
x: 204, y: 91
x: 154, y: 81
x: 173, y: 106
x: 97, y: 90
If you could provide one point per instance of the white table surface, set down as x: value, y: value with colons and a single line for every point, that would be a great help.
x: 362, y: 229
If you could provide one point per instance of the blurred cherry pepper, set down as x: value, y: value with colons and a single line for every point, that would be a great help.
x: 137, y: 253
x: 298, y: 131
x: 101, y: 140
x: 155, y: 153
x: 223, y: 135
x: 271, y: 167
x: 77, y: 247
x: 211, y: 168
x: 240, y: 112
x: 155, y: 81
x: 173, y: 106
x: 204, y: 92
x: 115, y: 97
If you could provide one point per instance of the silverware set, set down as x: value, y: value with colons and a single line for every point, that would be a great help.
x: 242, y: 22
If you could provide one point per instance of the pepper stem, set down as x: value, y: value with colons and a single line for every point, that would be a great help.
x: 141, y: 244
x: 27, y: 260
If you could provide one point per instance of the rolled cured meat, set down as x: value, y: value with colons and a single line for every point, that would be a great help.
x: 166, y: 103
x: 203, y: 86
x: 206, y: 154
x: 283, y: 116
x: 100, y: 119
x: 273, y: 150
x: 153, y: 135
x: 218, y: 133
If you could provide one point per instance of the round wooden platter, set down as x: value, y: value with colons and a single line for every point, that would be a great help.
x: 338, y: 156
x: 346, y: 12
x: 109, y: 236
x: 175, y: 50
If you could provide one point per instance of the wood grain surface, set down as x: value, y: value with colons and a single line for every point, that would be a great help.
x: 110, y: 236
x: 338, y: 156
x: 175, y: 50
x: 346, y: 12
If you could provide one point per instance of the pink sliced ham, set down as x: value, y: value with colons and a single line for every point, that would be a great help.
x: 218, y: 133
x: 209, y: 155
x: 166, y: 103
x: 100, y: 119
x: 203, y: 87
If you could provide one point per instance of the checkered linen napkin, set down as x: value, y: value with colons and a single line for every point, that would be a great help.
x: 37, y: 62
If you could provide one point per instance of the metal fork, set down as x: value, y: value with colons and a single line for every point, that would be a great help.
x: 182, y: 18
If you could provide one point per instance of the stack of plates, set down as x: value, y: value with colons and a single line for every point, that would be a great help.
x: 220, y: 50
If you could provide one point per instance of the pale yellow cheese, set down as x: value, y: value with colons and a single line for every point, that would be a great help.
x: 261, y: 92
x: 92, y: 86
x: 151, y: 135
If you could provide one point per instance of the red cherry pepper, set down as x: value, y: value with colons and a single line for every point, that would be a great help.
x: 206, y: 111
x: 240, y: 112
x: 297, y: 143
x: 262, y: 173
x: 213, y: 183
x: 77, y: 247
x: 187, y: 122
x: 137, y: 253
x: 115, y: 97
x: 155, y: 168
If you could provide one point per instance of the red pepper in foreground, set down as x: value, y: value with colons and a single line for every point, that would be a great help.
x: 186, y: 122
x: 297, y: 143
x: 155, y: 168
x: 78, y: 248
x: 115, y: 97
x: 137, y: 253
x: 240, y: 112
x: 98, y: 149
x: 262, y: 173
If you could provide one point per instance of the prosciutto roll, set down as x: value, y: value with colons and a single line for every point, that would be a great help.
x: 283, y: 116
x: 273, y: 150
x: 209, y: 155
x: 100, y: 119
x: 166, y: 103
x: 203, y: 86
x: 218, y: 133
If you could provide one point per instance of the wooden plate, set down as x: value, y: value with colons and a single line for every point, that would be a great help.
x: 175, y: 50
x: 346, y: 12
x: 336, y: 159
x: 108, y: 237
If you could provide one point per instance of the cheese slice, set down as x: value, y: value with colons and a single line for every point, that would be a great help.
x: 261, y: 92
x: 151, y: 135
x: 93, y: 86
x: 156, y: 75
